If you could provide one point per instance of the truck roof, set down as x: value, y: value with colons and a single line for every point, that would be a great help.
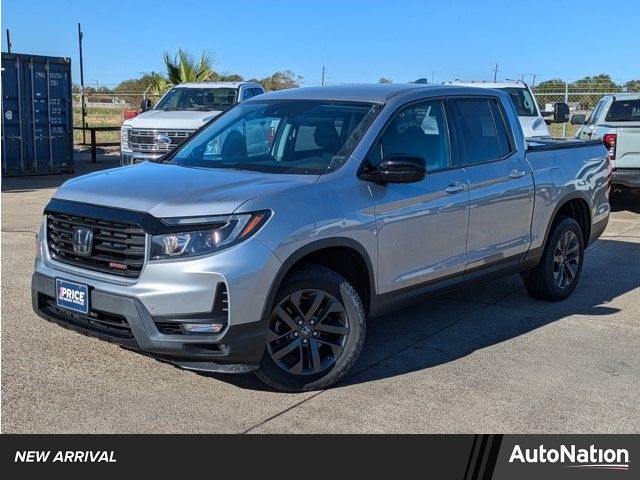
x: 625, y: 96
x: 215, y: 84
x: 484, y: 84
x: 374, y: 93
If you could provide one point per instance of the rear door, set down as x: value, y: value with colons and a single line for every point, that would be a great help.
x: 500, y: 183
x: 422, y: 226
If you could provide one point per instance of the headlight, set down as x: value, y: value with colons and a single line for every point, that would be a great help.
x: 207, y: 234
x: 124, y: 138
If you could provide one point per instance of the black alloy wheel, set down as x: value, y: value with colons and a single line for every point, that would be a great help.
x: 307, y: 332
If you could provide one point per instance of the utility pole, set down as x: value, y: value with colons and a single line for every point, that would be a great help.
x: 533, y: 86
x: 83, y: 106
x: 8, y: 41
x: 495, y: 73
x: 323, y: 75
x: 433, y: 74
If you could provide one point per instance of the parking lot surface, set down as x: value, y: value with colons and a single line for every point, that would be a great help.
x: 487, y: 358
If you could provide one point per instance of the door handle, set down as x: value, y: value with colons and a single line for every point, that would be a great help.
x: 515, y: 173
x: 455, y: 187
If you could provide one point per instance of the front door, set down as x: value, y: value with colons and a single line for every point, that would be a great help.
x: 422, y: 226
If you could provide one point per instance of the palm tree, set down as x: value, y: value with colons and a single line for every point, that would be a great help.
x: 183, y: 68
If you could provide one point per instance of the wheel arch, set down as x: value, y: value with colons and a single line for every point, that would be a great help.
x: 577, y: 207
x: 330, y: 252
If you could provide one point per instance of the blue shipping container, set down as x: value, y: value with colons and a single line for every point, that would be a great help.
x: 37, y: 125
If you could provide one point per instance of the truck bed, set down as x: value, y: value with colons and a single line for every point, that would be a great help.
x: 539, y: 144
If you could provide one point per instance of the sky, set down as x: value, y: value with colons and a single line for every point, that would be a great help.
x: 357, y: 41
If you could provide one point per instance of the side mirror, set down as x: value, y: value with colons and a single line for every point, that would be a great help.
x: 578, y: 119
x: 395, y: 169
x: 560, y: 113
x: 145, y: 105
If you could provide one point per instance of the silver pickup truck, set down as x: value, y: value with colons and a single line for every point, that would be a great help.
x: 318, y: 209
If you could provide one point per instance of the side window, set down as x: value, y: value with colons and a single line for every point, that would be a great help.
x: 256, y: 91
x: 475, y: 120
x: 504, y: 142
x: 596, y: 112
x: 418, y: 130
x: 247, y: 94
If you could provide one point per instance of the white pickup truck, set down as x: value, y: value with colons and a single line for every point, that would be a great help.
x: 179, y: 113
x: 532, y: 119
x: 616, y: 121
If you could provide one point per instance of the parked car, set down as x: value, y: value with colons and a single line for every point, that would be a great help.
x: 532, y: 120
x: 344, y: 202
x: 616, y: 121
x: 179, y: 113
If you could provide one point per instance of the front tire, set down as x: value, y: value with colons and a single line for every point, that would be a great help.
x: 315, y: 331
x: 557, y: 274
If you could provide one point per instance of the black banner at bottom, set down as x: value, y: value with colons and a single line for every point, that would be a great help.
x: 466, y: 457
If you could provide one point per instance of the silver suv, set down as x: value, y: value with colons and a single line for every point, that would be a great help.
x: 268, y: 238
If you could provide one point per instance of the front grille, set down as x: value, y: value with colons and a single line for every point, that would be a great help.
x: 117, y: 248
x: 109, y: 325
x: 147, y: 140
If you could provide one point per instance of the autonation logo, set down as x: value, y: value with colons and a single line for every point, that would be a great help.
x: 574, y: 457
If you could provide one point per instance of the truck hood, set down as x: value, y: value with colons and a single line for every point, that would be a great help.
x: 174, y: 119
x: 534, y: 127
x: 172, y: 191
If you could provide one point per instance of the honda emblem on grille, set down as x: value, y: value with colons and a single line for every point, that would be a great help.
x: 162, y: 140
x: 82, y: 241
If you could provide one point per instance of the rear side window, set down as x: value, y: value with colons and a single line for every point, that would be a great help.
x: 504, y: 144
x: 475, y: 120
x: 247, y: 94
x: 596, y: 112
x: 624, y: 111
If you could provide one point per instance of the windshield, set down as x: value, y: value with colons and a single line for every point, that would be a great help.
x: 283, y: 136
x: 185, y: 98
x: 624, y: 111
x: 523, y: 101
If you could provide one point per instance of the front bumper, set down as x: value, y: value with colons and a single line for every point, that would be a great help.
x: 134, y: 313
x: 130, y: 158
x: 126, y: 322
x: 626, y: 177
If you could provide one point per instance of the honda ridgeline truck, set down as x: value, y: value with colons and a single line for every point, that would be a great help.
x: 179, y: 113
x: 324, y: 206
x: 616, y: 121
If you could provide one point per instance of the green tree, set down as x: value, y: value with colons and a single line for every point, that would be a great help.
x: 632, y: 86
x: 281, y: 80
x: 226, y: 77
x: 598, y: 84
x: 137, y: 85
x: 554, y: 85
x: 384, y: 80
x: 182, y: 68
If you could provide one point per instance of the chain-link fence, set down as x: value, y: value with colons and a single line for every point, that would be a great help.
x: 580, y: 96
x: 105, y: 109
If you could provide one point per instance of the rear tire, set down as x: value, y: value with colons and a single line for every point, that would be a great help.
x: 558, y: 272
x: 315, y: 331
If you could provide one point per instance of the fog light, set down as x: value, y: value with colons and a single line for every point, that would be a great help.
x: 202, y: 327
